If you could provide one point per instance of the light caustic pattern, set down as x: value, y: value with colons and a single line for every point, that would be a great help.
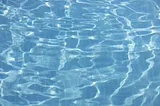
x: 79, y: 53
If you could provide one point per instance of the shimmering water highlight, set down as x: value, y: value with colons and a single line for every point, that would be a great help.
x: 79, y: 53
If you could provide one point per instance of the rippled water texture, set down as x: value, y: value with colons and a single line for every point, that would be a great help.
x: 79, y: 53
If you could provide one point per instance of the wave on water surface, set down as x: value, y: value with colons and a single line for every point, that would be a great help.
x: 79, y: 53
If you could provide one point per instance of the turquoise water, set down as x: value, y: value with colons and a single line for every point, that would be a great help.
x: 79, y: 53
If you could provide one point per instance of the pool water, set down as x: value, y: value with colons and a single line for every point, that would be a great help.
x: 79, y: 53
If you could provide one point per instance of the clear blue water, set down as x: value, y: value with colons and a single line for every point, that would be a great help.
x: 79, y: 52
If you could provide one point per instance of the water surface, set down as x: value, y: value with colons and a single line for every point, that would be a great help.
x: 79, y: 53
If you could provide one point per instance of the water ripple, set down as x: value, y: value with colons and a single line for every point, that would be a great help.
x: 79, y: 52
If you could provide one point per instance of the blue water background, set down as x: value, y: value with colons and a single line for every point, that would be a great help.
x: 79, y: 53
